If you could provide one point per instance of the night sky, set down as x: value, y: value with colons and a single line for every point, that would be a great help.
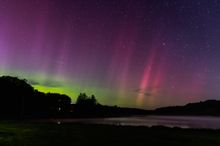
x: 135, y: 53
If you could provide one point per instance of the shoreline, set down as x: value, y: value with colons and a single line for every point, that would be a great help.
x: 185, y: 122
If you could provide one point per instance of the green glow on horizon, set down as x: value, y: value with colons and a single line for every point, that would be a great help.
x: 60, y: 90
x: 73, y: 93
x: 71, y: 87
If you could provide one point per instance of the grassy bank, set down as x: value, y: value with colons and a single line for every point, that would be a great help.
x: 29, y: 134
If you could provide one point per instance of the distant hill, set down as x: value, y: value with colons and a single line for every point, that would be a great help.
x: 203, y: 108
x: 105, y: 111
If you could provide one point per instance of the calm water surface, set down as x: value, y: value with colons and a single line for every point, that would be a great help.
x: 168, y: 121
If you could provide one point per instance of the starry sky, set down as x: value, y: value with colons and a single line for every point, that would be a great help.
x: 134, y: 53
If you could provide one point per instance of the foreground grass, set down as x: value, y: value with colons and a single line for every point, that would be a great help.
x: 30, y: 134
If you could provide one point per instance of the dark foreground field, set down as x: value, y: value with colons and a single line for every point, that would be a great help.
x: 29, y: 134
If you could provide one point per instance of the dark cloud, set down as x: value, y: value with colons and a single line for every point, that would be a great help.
x: 47, y: 83
x: 146, y: 93
x: 32, y: 82
x: 51, y: 84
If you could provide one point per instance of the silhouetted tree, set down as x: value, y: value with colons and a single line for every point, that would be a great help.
x: 14, y: 95
x: 51, y: 104
x: 82, y: 99
x: 85, y: 100
x: 58, y: 102
x: 93, y: 100
x: 85, y: 105
x: 18, y: 99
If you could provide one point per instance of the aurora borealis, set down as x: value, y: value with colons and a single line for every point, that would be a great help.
x: 135, y: 53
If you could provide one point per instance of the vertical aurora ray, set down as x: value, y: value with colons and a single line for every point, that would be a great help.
x: 123, y: 50
x: 138, y: 53
x: 152, y: 74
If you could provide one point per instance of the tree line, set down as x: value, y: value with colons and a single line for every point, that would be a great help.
x: 19, y: 100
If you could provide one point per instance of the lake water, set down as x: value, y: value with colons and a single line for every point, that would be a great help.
x: 168, y: 121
